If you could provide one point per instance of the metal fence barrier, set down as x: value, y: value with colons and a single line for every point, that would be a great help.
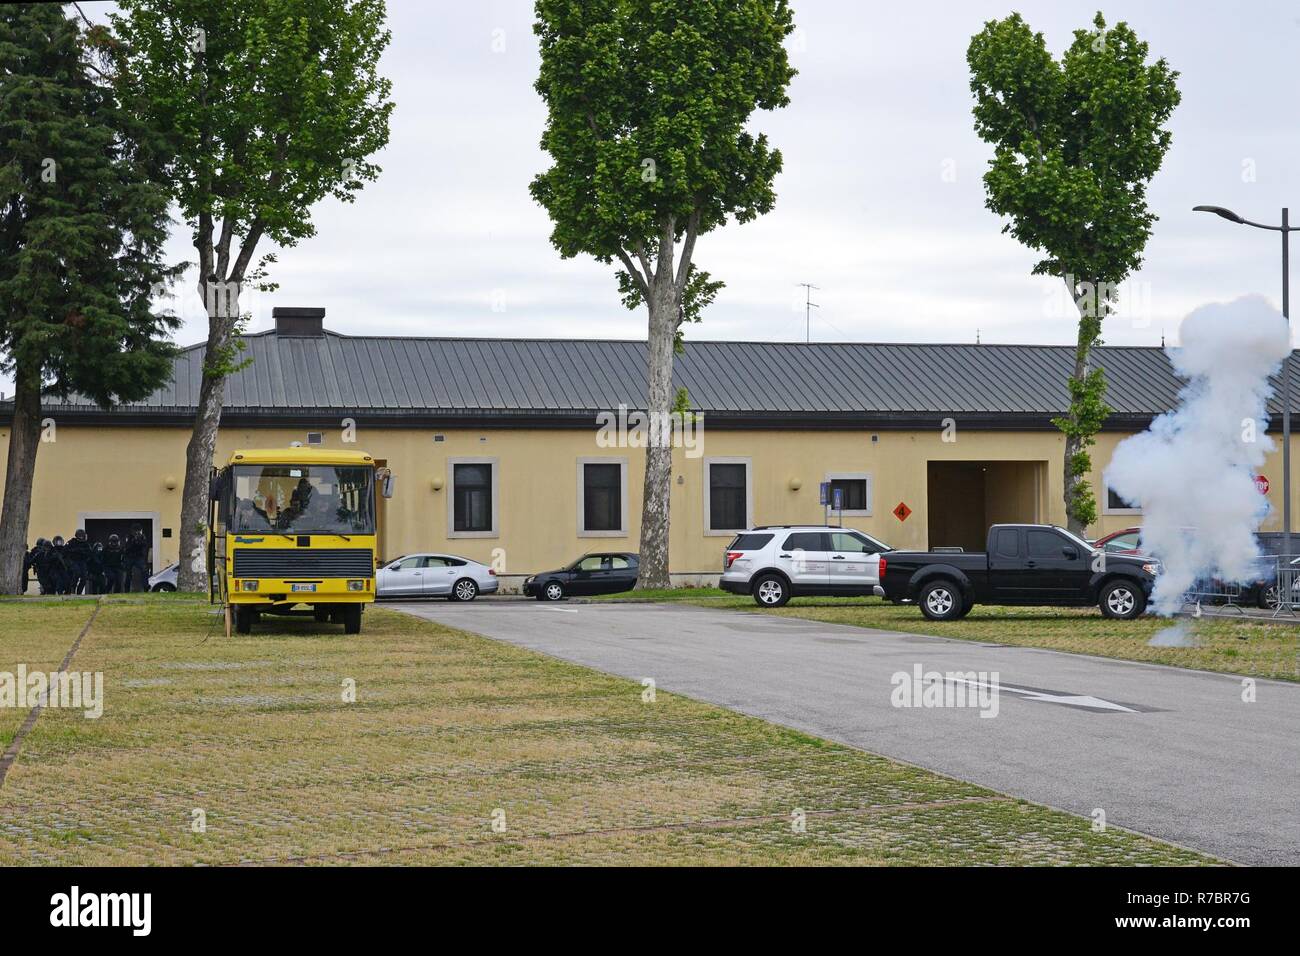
x: 1274, y: 586
x: 1229, y: 597
x: 1286, y: 596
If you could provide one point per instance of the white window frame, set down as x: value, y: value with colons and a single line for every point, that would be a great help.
x: 495, y: 532
x: 748, y: 462
x: 854, y: 476
x: 1106, y: 509
x: 621, y: 532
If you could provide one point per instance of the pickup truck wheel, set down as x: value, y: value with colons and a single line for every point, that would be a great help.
x: 771, y: 591
x: 967, y: 606
x: 941, y: 601
x: 1122, y: 600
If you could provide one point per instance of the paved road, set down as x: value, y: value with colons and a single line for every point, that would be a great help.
x: 1170, y: 752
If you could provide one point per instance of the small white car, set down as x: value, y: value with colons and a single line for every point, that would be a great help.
x: 777, y: 562
x: 435, y: 575
x: 164, y: 580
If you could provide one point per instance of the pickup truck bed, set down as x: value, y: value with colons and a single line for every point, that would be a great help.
x: 1026, y: 564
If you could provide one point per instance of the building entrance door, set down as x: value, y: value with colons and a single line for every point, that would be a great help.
x: 964, y: 498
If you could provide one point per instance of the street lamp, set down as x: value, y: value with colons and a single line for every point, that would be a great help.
x: 1285, y: 229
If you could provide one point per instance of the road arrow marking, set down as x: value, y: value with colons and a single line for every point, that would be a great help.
x: 1068, y: 700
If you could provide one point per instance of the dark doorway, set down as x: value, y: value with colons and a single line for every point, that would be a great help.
x: 98, y: 530
x: 963, y: 498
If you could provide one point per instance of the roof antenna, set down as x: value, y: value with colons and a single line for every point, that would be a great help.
x: 977, y: 336
x: 808, y: 305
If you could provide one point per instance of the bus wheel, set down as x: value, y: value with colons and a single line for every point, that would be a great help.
x: 244, y: 618
x: 352, y: 619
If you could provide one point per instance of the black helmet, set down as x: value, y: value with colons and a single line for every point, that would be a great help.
x: 114, y: 541
x: 97, y: 547
x: 136, y: 530
x: 42, y: 543
x: 58, y: 540
x: 81, y: 534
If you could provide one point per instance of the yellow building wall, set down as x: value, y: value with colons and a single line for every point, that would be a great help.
x: 140, y: 469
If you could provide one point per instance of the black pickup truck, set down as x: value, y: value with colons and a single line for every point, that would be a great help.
x: 1025, y: 564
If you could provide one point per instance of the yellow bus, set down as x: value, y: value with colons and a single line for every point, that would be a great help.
x: 293, y: 527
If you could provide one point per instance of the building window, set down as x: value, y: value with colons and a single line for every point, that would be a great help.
x: 472, y: 498
x: 855, y: 492
x: 727, y: 498
x: 1115, y: 505
x: 602, y: 497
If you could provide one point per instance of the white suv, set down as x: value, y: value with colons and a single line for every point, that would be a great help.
x: 774, y: 563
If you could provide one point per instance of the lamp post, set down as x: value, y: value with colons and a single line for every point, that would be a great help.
x: 1285, y: 229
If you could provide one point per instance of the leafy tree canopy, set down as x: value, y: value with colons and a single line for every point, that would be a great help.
x: 1076, y: 142
x: 647, y: 103
x: 269, y: 106
x: 83, y: 220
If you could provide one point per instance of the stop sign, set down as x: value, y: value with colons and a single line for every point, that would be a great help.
x: 1262, y: 484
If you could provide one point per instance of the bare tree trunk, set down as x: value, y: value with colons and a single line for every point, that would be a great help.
x: 24, y: 440
x: 659, y: 450
x: 192, y: 572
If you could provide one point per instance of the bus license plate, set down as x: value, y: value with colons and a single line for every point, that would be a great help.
x: 302, y: 587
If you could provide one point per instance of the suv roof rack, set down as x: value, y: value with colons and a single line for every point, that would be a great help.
x: 775, y: 527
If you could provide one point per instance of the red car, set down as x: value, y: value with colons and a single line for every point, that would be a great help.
x: 1120, y: 542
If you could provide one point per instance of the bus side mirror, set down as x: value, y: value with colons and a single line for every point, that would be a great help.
x: 386, y: 480
x: 214, y: 486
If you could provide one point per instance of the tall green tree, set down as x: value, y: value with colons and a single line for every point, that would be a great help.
x: 1076, y: 142
x: 269, y: 107
x: 83, y: 219
x: 647, y: 107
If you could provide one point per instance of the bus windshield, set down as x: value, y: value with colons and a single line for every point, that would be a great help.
x: 304, y: 499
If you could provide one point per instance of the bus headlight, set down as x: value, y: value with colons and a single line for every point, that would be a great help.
x: 246, y: 585
x: 356, y: 585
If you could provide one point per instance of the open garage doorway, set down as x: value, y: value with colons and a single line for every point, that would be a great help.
x: 100, y: 524
x: 964, y: 497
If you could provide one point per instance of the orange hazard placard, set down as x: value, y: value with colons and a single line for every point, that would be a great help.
x: 902, y: 511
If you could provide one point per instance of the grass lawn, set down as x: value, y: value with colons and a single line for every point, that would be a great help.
x: 1228, y: 645
x: 448, y: 732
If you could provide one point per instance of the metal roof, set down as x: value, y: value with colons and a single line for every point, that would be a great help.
x: 406, y: 380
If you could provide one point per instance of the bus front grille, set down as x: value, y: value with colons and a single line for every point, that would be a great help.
x: 303, y: 563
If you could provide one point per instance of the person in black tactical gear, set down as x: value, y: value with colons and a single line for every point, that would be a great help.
x: 77, y: 551
x: 136, y: 553
x: 41, y: 564
x: 95, y: 580
x: 60, y: 573
x: 114, y: 565
x: 29, y: 563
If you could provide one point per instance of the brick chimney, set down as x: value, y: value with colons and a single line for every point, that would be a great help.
x: 308, y: 323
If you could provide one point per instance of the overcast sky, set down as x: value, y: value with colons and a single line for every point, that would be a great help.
x: 880, y: 204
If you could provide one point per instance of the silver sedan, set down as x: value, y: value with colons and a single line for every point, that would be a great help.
x: 435, y: 575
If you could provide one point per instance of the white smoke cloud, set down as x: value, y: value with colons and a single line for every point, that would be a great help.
x: 1192, y: 472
